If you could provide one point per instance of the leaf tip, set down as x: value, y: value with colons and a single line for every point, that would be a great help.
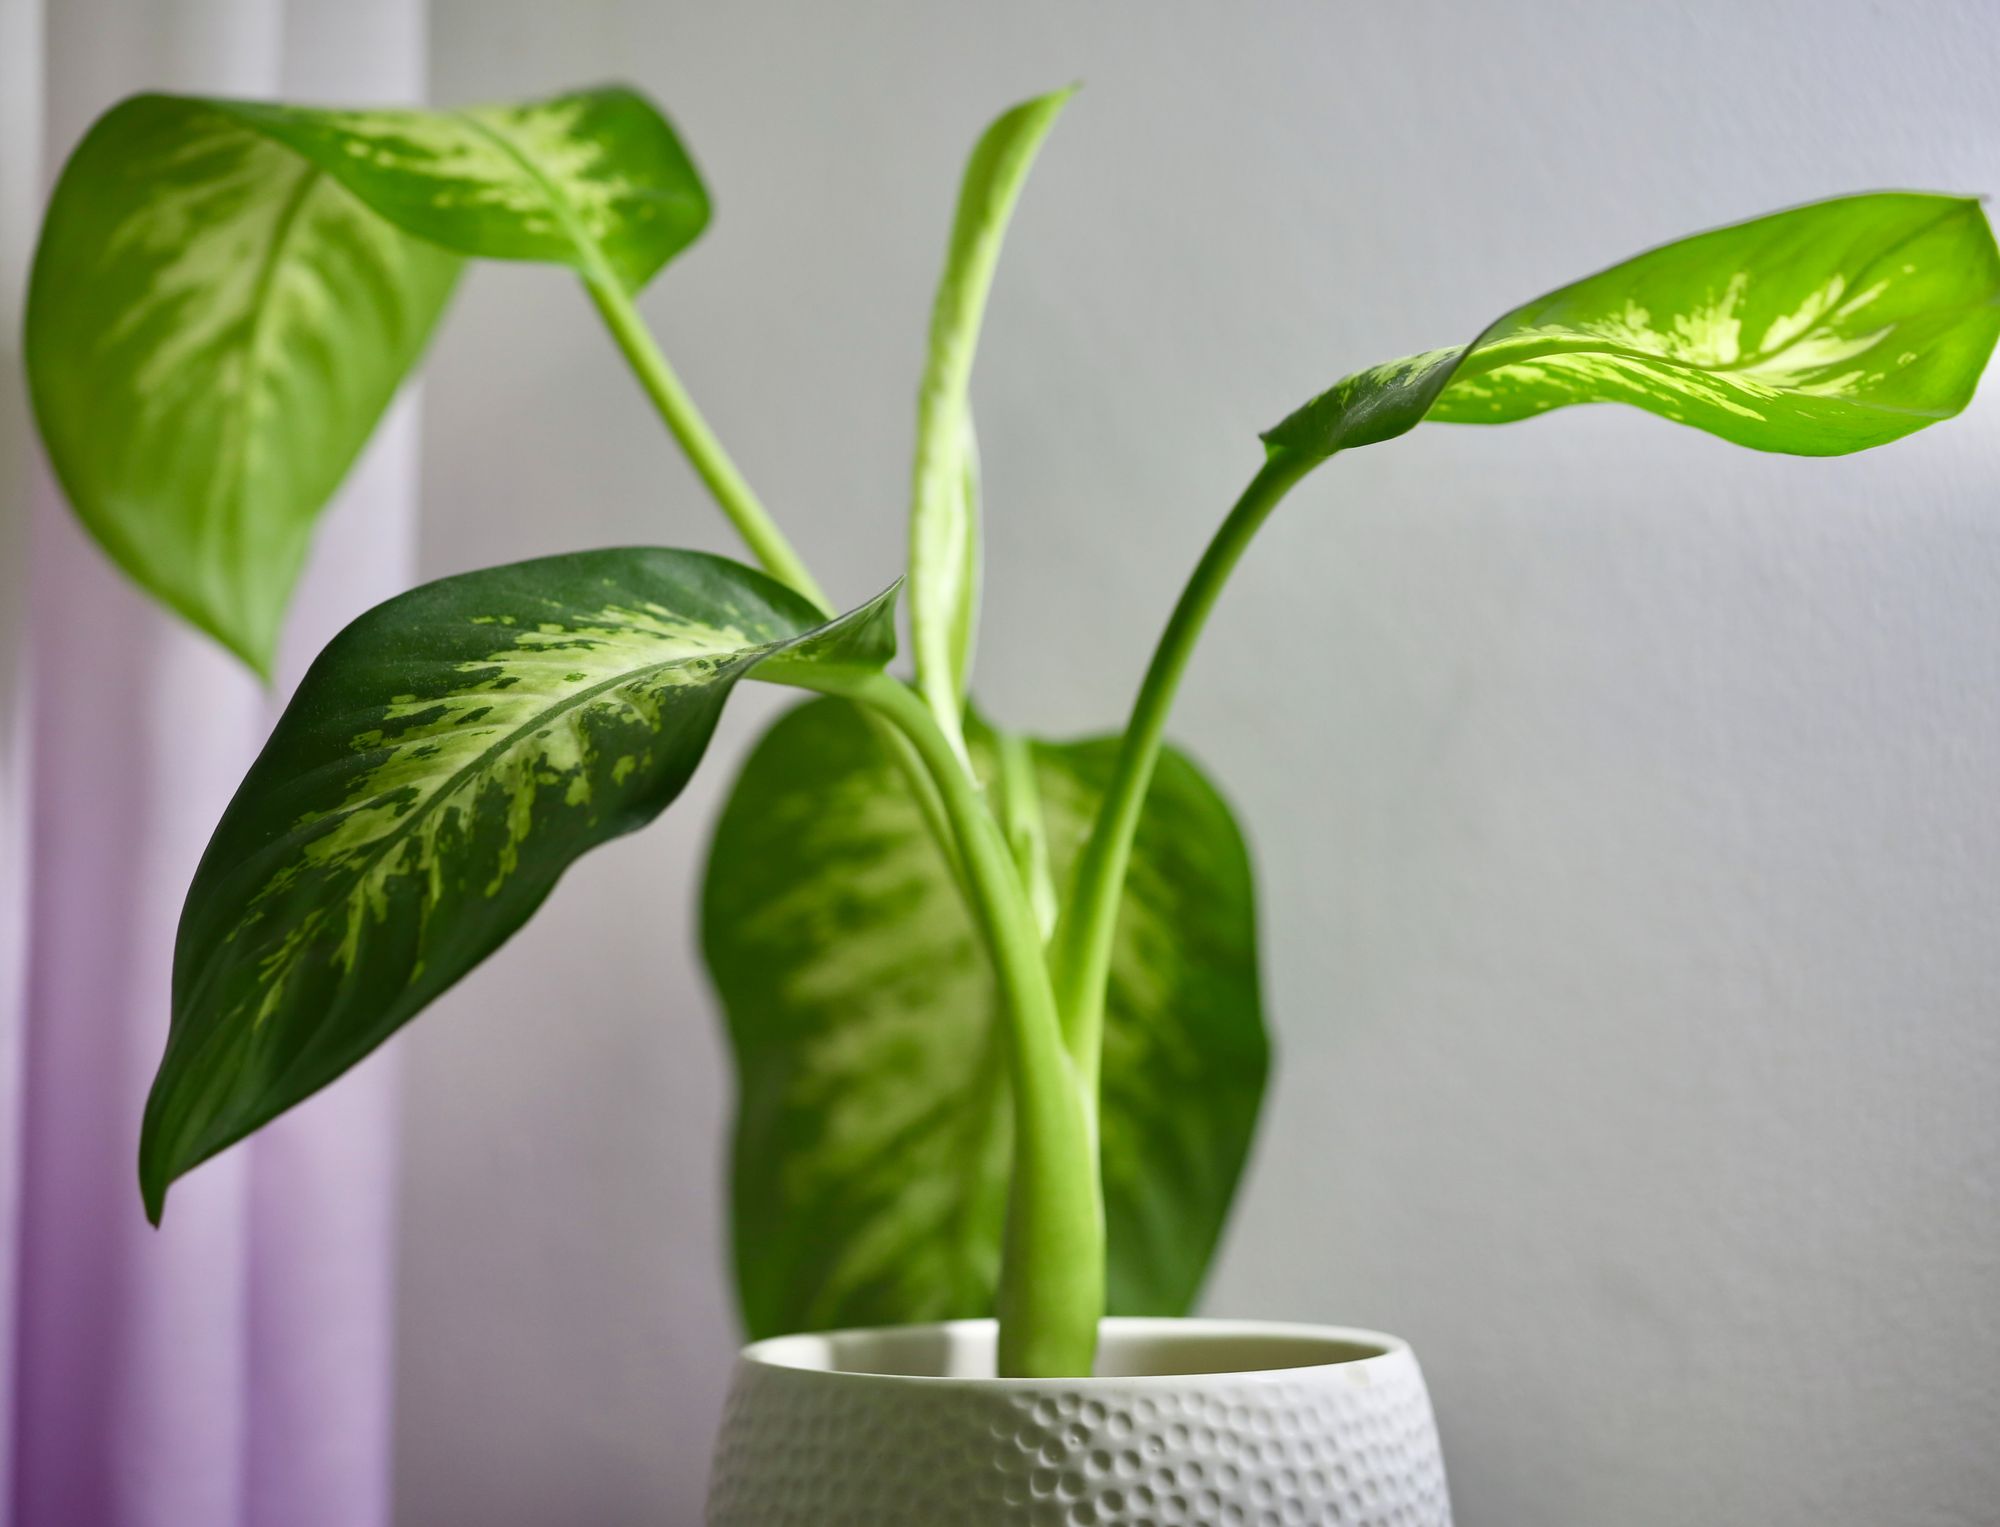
x: 152, y: 1189
x: 157, y: 1170
x: 1057, y: 101
x: 1043, y: 108
x: 257, y: 653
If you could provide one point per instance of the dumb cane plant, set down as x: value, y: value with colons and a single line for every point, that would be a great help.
x: 994, y: 1001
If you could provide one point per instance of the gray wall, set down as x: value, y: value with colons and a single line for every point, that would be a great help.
x: 1624, y: 803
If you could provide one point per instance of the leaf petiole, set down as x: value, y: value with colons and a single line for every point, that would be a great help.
x: 1080, y: 951
x: 704, y: 452
x: 733, y: 493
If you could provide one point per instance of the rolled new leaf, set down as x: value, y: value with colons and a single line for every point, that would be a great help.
x: 873, y: 1132
x: 1817, y: 331
x: 227, y: 295
x: 444, y: 761
x: 944, y: 493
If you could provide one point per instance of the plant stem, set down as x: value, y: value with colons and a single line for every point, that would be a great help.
x: 1080, y: 953
x: 1021, y: 819
x: 1052, y: 1259
x: 930, y: 802
x: 1052, y: 1267
x: 765, y: 540
x: 737, y: 500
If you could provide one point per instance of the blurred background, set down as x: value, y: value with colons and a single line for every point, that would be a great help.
x: 1623, y: 802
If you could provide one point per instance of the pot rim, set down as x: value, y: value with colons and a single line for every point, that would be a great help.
x: 815, y: 1353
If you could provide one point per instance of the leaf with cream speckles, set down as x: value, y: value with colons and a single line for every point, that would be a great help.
x: 595, y: 179
x: 446, y: 758
x: 873, y: 1132
x: 227, y: 295
x: 1818, y: 331
x: 213, y: 330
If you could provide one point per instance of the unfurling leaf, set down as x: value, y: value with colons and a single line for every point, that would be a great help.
x: 227, y: 295
x: 1822, y: 330
x: 445, y: 759
x: 944, y: 496
x: 873, y: 1130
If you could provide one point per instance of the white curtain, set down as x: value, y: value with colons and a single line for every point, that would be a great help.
x: 235, y: 1367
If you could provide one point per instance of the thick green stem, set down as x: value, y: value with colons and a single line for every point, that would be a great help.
x: 1052, y: 1260
x: 1021, y: 819
x: 1080, y: 953
x: 704, y: 451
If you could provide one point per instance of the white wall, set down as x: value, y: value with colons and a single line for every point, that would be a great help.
x: 1624, y: 803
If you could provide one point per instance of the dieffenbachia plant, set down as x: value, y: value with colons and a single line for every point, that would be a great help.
x: 994, y: 1000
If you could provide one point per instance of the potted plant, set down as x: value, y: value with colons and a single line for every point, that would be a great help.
x: 993, y: 1000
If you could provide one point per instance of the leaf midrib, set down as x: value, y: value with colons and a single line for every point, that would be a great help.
x: 743, y: 658
x: 1467, y: 366
x: 1692, y: 368
x: 399, y: 830
x: 240, y: 416
x: 406, y: 823
x: 596, y: 265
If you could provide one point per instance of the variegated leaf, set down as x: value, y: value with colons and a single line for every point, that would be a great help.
x: 873, y: 1130
x: 228, y: 293
x: 445, y: 759
x: 595, y: 179
x: 213, y: 329
x: 1822, y: 330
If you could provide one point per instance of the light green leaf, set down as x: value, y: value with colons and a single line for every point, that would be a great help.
x: 445, y: 759
x: 1822, y: 330
x: 873, y: 1132
x: 595, y: 179
x: 213, y: 329
x: 944, y: 495
x: 228, y: 293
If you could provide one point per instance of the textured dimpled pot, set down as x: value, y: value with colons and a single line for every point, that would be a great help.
x: 1187, y: 1423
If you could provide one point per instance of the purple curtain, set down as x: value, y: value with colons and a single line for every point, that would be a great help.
x: 234, y: 1368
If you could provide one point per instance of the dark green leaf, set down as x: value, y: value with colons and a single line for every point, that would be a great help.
x: 873, y: 1132
x: 445, y: 759
x: 1826, y: 329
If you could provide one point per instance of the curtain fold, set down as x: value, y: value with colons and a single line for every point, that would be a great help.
x: 20, y: 195
x: 233, y: 1368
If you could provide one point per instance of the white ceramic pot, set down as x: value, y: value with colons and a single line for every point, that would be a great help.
x: 1188, y: 1423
